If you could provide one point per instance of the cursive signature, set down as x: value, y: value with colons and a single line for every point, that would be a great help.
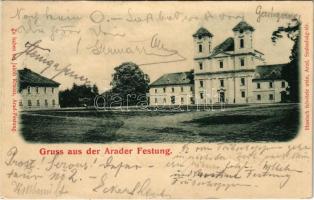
x: 141, y: 188
x: 31, y: 50
x: 152, y: 47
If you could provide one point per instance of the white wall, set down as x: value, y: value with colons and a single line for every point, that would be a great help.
x: 157, y: 94
x: 41, y: 96
x: 230, y: 63
x: 247, y: 36
x: 206, y: 43
x: 265, y: 91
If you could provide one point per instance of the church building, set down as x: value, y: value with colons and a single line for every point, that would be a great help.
x: 233, y: 72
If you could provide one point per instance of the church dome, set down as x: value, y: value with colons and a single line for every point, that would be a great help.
x: 202, y: 32
x: 242, y: 26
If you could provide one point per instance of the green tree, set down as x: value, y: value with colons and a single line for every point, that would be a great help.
x: 129, y: 83
x: 291, y: 73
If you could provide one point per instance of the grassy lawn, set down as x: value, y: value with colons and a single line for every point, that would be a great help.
x: 254, y: 123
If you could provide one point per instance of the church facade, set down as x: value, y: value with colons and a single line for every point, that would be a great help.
x: 232, y: 72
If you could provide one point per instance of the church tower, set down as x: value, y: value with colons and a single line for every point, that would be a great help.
x: 243, y: 38
x: 202, y: 42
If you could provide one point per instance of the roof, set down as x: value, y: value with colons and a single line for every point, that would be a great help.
x: 243, y: 26
x: 201, y: 32
x: 175, y: 79
x: 227, y: 45
x: 269, y: 72
x: 29, y: 78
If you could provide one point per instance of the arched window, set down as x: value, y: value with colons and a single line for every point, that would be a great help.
x: 241, y: 43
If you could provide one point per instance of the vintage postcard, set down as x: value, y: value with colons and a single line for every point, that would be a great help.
x: 161, y: 100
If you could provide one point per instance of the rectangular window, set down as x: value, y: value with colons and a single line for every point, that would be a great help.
x: 155, y: 90
x: 173, y: 99
x: 242, y: 62
x: 53, y: 102
x: 191, y: 88
x: 45, y: 90
x: 21, y: 103
x: 182, y: 89
x: 172, y: 89
x: 258, y: 85
x: 46, y: 102
x: 271, y: 97
x: 38, y: 103
x: 241, y: 43
x: 28, y: 89
x: 29, y: 103
x: 164, y: 100
x: 201, y: 95
x: 221, y: 64
x: 242, y: 81
x: 270, y: 84
x: 164, y: 90
x: 242, y: 94
x: 200, y: 48
x: 155, y: 100
x: 182, y: 100
x: 192, y: 100
x: 283, y: 84
x: 259, y: 97
x: 201, y: 83
x: 222, y: 83
x: 37, y: 90
x: 200, y: 64
x: 52, y: 90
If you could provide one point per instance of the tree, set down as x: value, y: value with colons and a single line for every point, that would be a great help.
x: 291, y: 71
x: 78, y: 95
x: 129, y: 83
x: 95, y: 89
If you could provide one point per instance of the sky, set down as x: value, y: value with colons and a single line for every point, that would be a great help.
x: 95, y: 38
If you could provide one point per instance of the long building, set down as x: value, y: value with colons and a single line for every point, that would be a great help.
x: 232, y: 72
x: 175, y: 88
x: 37, y: 91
